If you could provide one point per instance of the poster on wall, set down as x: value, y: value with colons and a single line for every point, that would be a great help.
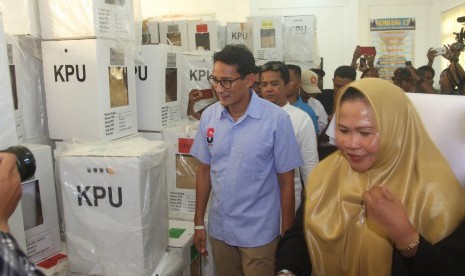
x: 394, y: 39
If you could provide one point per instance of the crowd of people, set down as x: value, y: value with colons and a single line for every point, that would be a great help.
x: 370, y: 192
x: 303, y: 180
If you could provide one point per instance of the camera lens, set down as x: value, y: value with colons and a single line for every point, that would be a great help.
x: 25, y: 161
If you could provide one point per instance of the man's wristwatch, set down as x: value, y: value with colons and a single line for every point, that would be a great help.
x: 285, y: 272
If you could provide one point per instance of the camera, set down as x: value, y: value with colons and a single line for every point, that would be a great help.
x: 363, y: 62
x: 439, y: 50
x: 25, y: 161
x: 408, y: 62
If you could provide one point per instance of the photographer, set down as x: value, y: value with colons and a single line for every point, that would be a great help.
x: 367, y: 66
x: 13, y: 261
x: 453, y: 75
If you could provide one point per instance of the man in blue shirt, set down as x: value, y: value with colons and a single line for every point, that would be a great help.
x: 247, y: 152
x: 293, y: 94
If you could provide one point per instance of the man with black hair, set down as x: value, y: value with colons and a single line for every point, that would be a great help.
x: 275, y: 82
x: 342, y: 76
x: 247, y: 154
x: 425, y: 80
x: 293, y: 94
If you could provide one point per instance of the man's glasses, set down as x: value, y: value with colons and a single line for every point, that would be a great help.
x: 227, y: 84
x: 273, y: 65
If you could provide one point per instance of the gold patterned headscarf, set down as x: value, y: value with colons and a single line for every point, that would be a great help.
x: 341, y: 241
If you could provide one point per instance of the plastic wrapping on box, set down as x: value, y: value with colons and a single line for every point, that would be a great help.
x: 236, y: 33
x: 71, y: 19
x: 114, y: 205
x: 299, y: 32
x: 21, y: 17
x: 174, y: 32
x: 265, y: 37
x: 444, y: 118
x: 203, y: 35
x: 150, y: 31
x: 172, y: 264
x: 158, y: 85
x: 35, y: 222
x: 8, y: 135
x: 181, y: 169
x: 26, y: 72
x: 196, y: 68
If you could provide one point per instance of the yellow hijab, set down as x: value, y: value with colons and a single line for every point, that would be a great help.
x: 340, y: 240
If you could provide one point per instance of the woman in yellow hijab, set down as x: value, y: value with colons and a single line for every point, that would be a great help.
x: 386, y: 203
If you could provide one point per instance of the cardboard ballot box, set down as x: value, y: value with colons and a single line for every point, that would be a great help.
x: 25, y: 61
x: 196, y: 67
x: 158, y: 84
x: 114, y: 205
x: 35, y: 221
x: 21, y: 17
x: 89, y: 89
x: 174, y: 32
x: 71, y: 19
x: 236, y: 33
x: 265, y: 37
x: 301, y: 40
x: 181, y: 169
x: 203, y: 35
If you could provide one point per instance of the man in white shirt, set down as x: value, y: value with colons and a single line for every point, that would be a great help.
x: 274, y: 83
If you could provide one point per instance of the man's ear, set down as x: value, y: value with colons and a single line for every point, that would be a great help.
x: 250, y: 78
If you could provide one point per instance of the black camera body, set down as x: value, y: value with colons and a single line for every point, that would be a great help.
x: 25, y: 161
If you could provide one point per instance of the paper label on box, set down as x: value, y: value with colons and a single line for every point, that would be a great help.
x: 175, y: 233
x: 171, y: 60
x: 118, y: 122
x: 185, y: 144
x: 173, y: 29
x: 202, y: 28
x: 52, y: 261
x: 267, y: 24
x: 116, y: 57
x: 39, y: 244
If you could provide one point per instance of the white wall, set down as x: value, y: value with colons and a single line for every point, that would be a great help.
x: 341, y: 24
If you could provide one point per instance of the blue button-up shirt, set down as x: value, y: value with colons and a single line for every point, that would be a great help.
x: 305, y: 107
x: 244, y: 158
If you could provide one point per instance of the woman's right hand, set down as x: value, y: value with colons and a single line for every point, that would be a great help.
x: 387, y: 212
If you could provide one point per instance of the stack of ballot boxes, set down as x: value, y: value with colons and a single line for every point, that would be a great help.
x: 35, y: 221
x: 89, y: 49
x: 115, y: 205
